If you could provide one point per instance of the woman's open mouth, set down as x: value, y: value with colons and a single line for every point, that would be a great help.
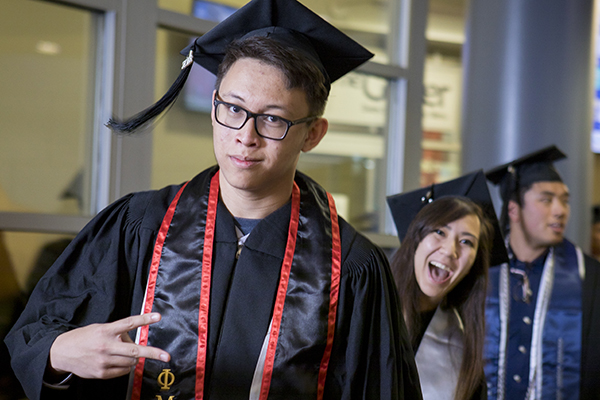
x: 438, y: 272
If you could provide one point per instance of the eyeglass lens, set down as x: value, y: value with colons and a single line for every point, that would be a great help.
x: 266, y: 125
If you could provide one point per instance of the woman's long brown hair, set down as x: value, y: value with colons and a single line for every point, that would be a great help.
x: 468, y: 297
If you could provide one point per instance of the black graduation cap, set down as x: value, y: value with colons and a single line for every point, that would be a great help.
x: 531, y: 168
x: 286, y: 21
x: 405, y: 206
x: 523, y: 172
x: 595, y: 214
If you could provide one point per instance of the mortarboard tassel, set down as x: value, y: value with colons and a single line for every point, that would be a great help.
x: 507, y: 188
x: 148, y: 115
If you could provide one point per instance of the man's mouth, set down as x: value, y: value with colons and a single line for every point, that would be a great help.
x: 244, y: 161
x: 557, y: 227
x: 439, y: 272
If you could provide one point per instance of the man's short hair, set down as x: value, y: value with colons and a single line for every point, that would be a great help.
x: 516, y: 177
x: 298, y: 70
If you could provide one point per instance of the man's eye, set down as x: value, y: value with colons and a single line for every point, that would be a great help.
x: 234, y: 109
x: 272, y: 119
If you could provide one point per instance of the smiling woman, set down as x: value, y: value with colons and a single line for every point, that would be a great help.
x: 441, y: 271
x: 444, y: 257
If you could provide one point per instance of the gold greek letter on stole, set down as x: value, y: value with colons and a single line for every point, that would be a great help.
x: 165, y: 380
x: 159, y: 397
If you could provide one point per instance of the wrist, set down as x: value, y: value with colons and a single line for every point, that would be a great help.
x: 54, y: 372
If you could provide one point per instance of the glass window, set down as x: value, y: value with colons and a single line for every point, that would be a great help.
x: 441, y: 141
x: 25, y: 257
x: 180, y: 6
x: 441, y: 119
x: 47, y: 81
x: 351, y: 156
x: 182, y: 141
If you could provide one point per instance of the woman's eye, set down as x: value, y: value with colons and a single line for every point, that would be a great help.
x: 468, y: 242
x: 440, y: 232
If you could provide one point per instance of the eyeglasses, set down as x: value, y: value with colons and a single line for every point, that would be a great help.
x: 266, y: 125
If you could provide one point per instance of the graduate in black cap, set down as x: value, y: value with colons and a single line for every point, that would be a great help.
x: 441, y: 270
x: 543, y: 306
x: 248, y: 284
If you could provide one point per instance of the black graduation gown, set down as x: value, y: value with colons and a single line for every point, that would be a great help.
x: 590, y: 350
x: 102, y: 276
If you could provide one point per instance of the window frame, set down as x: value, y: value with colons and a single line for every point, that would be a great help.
x: 127, y: 40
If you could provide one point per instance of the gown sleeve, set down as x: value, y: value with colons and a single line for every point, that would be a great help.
x: 96, y: 279
x: 590, y: 351
x: 372, y: 357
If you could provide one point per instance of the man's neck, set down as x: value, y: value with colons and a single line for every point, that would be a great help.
x: 245, y: 204
x: 522, y: 249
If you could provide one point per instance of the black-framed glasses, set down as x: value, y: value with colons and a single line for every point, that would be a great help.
x: 266, y: 125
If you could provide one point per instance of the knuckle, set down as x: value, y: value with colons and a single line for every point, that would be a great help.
x: 103, y: 329
x: 102, y: 347
x: 103, y: 364
x: 131, y: 323
x: 134, y: 352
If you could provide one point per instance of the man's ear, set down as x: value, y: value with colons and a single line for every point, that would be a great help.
x: 316, y: 131
x: 514, y: 211
x: 212, y: 108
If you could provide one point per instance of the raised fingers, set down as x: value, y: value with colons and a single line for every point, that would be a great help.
x: 130, y: 350
x: 135, y: 351
x: 130, y: 323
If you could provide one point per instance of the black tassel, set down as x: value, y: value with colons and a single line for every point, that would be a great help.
x: 147, y: 116
x: 508, y: 187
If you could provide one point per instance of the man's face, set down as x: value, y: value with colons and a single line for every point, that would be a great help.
x: 543, y: 215
x: 249, y: 162
x: 595, y: 242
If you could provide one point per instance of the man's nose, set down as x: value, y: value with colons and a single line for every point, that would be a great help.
x: 559, y: 208
x: 247, y: 134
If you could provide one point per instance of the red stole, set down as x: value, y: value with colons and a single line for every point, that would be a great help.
x: 179, y: 285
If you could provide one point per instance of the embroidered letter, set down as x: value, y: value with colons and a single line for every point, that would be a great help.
x: 166, y: 379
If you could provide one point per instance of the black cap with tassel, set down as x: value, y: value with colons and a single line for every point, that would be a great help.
x: 537, y: 166
x: 286, y: 21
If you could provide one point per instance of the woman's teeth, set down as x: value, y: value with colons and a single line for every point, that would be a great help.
x: 439, y: 265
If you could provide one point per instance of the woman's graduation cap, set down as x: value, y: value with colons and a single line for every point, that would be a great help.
x: 523, y: 172
x: 405, y: 206
x: 286, y: 21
